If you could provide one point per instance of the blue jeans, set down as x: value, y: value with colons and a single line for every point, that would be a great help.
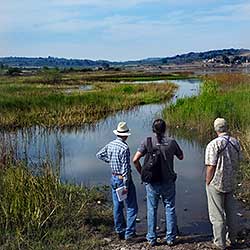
x: 121, y: 225
x: 166, y: 191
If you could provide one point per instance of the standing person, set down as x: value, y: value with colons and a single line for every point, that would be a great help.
x: 163, y: 185
x: 221, y: 159
x: 117, y: 154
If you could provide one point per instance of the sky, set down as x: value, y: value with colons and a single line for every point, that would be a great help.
x: 120, y: 30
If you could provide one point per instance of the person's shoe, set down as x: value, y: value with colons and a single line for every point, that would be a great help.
x: 131, y: 238
x: 121, y: 236
x: 235, y: 245
x: 171, y: 243
x: 153, y: 243
x: 211, y: 245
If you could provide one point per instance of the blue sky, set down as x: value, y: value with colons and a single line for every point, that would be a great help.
x: 121, y: 29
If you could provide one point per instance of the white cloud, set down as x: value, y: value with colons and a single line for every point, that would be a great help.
x: 228, y: 12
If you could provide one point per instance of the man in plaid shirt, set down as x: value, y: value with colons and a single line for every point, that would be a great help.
x: 117, y: 154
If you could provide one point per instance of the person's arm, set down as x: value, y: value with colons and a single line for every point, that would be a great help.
x: 141, y: 151
x: 125, y: 161
x: 103, y: 155
x: 209, y: 173
x: 211, y: 158
x: 178, y: 152
x: 136, y: 161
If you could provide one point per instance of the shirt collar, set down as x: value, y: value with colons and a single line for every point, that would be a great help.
x: 120, y: 139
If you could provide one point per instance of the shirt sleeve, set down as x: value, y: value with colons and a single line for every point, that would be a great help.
x: 143, y: 148
x: 211, y: 155
x: 103, y: 154
x: 125, y: 161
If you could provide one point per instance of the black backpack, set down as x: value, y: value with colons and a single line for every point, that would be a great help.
x: 151, y: 168
x: 153, y: 164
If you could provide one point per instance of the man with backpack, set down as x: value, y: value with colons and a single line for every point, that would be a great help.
x: 158, y: 174
x: 222, y: 159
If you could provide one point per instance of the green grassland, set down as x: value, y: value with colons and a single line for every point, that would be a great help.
x: 221, y: 96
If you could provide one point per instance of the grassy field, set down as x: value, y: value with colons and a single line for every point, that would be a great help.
x: 36, y: 100
x: 37, y: 211
x: 222, y: 95
x: 128, y: 76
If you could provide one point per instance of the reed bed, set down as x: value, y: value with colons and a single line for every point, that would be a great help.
x: 38, y: 211
x: 24, y: 105
x: 57, y: 77
x: 243, y: 191
x: 221, y: 96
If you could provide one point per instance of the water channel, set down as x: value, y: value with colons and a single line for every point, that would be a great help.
x: 78, y: 163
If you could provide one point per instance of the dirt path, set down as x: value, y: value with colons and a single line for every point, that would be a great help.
x: 191, y: 242
x: 202, y: 242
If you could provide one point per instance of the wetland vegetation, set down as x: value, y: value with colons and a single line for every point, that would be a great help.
x: 38, y: 211
x: 54, y: 100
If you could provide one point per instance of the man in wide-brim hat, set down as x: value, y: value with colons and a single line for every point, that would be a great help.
x: 117, y: 154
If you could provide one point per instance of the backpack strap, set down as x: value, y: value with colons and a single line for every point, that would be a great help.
x: 234, y: 146
x: 149, y: 145
x: 221, y: 150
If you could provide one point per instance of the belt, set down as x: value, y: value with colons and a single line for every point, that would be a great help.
x: 118, y: 175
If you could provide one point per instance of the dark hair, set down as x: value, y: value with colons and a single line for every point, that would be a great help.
x: 159, y: 127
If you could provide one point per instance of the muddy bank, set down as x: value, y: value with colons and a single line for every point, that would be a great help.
x: 183, y: 242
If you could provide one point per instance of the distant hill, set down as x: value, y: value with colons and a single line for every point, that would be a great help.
x: 50, y: 62
x: 225, y: 56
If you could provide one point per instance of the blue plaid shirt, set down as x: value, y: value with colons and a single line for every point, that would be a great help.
x: 117, y: 154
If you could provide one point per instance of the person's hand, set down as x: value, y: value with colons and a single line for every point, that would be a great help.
x: 124, y: 191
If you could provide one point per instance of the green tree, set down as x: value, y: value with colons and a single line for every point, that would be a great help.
x: 14, y: 71
x: 51, y: 75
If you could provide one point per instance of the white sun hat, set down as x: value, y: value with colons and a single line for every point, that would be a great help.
x: 122, y: 129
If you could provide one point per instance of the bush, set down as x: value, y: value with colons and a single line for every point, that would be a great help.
x: 13, y: 71
x: 51, y: 76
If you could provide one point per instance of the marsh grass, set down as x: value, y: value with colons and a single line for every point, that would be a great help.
x: 219, y: 97
x: 38, y: 211
x: 24, y: 105
x: 54, y: 77
x: 243, y: 190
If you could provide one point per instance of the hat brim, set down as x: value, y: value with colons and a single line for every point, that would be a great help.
x: 121, y: 134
